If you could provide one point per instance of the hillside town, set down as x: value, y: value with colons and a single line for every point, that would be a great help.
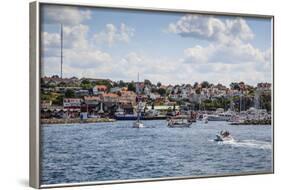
x: 104, y: 98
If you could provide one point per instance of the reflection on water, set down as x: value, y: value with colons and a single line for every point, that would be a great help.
x: 116, y: 151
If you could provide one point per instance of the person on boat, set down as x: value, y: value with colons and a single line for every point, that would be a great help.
x: 224, y: 133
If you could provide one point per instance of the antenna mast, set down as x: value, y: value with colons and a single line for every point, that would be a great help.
x: 61, y: 49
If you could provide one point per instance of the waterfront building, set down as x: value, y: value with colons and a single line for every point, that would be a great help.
x: 81, y: 93
x: 92, y: 103
x: 115, y: 89
x: 154, y: 96
x: 128, y: 97
x: 99, y: 89
x: 110, y: 97
x: 72, y: 104
x: 45, y: 104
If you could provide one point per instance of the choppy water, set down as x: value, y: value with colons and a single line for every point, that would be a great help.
x: 112, y: 151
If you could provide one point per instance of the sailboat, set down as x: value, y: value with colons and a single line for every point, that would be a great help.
x: 138, y: 123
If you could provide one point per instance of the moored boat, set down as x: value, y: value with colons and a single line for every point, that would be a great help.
x: 180, y: 122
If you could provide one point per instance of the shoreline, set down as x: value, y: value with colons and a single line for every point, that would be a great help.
x: 76, y: 120
x: 253, y: 122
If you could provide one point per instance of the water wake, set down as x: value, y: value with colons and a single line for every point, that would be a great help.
x: 249, y: 144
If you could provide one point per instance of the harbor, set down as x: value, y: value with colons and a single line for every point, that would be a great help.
x: 88, y: 100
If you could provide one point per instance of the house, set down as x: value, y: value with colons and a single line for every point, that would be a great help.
x: 264, y: 86
x: 140, y: 86
x: 92, y: 103
x: 45, y: 104
x: 92, y: 100
x: 154, y: 96
x: 72, y: 103
x: 115, y: 89
x: 81, y: 93
x: 128, y: 97
x: 101, y: 88
x: 110, y: 97
x: 147, y: 90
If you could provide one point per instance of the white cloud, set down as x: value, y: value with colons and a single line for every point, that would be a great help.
x: 67, y: 15
x: 229, y: 40
x: 90, y: 58
x: 78, y: 53
x: 113, y: 34
x: 226, y: 53
x: 156, y: 69
x: 212, y: 28
x: 76, y: 36
x: 50, y: 39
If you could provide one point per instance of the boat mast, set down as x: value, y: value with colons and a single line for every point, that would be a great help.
x: 138, y: 107
x: 61, y: 49
x: 240, y: 106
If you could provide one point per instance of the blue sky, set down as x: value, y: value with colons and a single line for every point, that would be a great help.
x: 173, y: 48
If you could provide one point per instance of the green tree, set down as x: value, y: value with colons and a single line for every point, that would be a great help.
x: 132, y: 86
x: 198, y: 91
x: 159, y: 84
x: 121, y: 84
x: 161, y: 91
x: 195, y: 85
x: 265, y: 101
x: 205, y: 84
x: 235, y: 86
x: 147, y: 82
x: 58, y: 100
x: 86, y: 84
x: 69, y: 93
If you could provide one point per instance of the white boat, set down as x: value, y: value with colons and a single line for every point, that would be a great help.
x: 138, y: 124
x: 223, y: 136
x: 205, y: 118
x: 178, y: 122
x: 226, y: 116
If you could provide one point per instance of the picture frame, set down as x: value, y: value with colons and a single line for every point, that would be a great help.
x: 35, y: 132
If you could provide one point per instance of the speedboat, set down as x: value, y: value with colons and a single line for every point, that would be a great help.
x: 223, y: 136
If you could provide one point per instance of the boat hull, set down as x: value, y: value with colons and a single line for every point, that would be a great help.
x: 131, y: 117
x: 138, y: 125
x: 220, y: 138
x: 183, y: 125
x: 211, y: 118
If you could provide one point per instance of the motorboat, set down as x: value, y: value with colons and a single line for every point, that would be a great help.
x: 173, y: 123
x: 219, y: 117
x: 205, y: 118
x: 223, y: 136
x: 138, y: 124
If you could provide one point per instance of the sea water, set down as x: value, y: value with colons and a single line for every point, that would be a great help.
x: 94, y: 152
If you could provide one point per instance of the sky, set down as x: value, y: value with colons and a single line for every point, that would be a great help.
x: 173, y: 48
